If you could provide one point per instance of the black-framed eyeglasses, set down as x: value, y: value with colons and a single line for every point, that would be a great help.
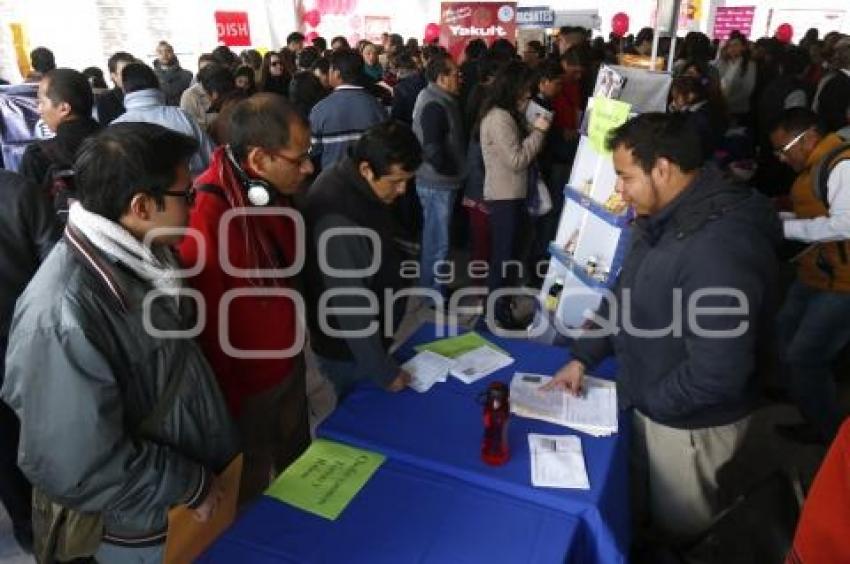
x: 187, y: 194
x: 274, y: 64
x: 299, y: 161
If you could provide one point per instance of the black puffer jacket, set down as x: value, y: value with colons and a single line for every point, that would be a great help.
x: 714, y: 237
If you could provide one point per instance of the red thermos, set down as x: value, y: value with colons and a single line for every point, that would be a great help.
x: 494, y: 446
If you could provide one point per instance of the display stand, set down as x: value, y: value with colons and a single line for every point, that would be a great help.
x: 593, y: 233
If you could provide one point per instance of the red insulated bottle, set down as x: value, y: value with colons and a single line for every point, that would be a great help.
x: 494, y: 446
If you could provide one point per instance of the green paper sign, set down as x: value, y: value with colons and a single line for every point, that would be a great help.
x: 325, y: 479
x: 605, y: 115
x: 453, y: 347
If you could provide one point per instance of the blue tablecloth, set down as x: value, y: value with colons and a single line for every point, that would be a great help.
x: 403, y: 514
x: 441, y: 431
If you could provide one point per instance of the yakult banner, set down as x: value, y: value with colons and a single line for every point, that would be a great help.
x: 461, y: 22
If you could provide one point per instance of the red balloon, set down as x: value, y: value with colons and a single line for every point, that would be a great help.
x: 311, y: 36
x: 312, y: 18
x: 620, y: 24
x: 432, y: 32
x: 784, y: 33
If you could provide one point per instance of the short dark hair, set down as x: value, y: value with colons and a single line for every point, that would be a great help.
x: 138, y: 76
x: 308, y: 57
x: 798, y: 120
x: 402, y: 60
x: 71, y: 87
x: 644, y: 35
x: 320, y: 43
x: 42, y: 60
x: 349, y: 64
x: 438, y: 65
x: 431, y: 50
x: 216, y: 79
x: 653, y: 136
x: 387, y: 144
x: 252, y: 58
x: 322, y: 65
x: 503, y: 49
x: 225, y: 56
x: 475, y: 49
x: 538, y: 48
x: 396, y: 40
x: 206, y: 58
x: 549, y: 69
x: 125, y: 159
x: 794, y: 60
x: 295, y: 37
x: 341, y: 39
x: 119, y: 57
x: 263, y: 120
x: 95, y: 77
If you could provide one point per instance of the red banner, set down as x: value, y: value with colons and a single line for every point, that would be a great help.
x: 729, y: 19
x: 233, y: 29
x: 461, y: 22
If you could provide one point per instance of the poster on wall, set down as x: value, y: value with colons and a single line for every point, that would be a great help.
x: 729, y: 19
x: 375, y: 26
x: 233, y: 29
x: 461, y: 22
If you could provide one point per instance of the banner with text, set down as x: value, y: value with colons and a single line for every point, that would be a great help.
x: 233, y: 29
x: 729, y: 19
x: 461, y: 22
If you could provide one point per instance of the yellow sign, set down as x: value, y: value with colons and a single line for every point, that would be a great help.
x: 694, y: 10
x: 605, y: 115
x: 22, y: 51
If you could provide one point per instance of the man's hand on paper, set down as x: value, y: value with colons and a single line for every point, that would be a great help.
x: 402, y: 380
x: 204, y: 511
x: 569, y: 378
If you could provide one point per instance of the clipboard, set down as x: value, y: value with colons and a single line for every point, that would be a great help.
x: 187, y: 538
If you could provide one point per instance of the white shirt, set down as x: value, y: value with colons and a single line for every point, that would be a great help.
x: 832, y: 227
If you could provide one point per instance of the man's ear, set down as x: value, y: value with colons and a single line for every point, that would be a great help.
x: 661, y: 171
x: 142, y: 207
x: 366, y: 171
x: 64, y: 109
x: 257, y: 162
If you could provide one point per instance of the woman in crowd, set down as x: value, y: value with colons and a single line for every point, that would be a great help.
x: 244, y: 77
x: 691, y: 95
x: 274, y: 77
x: 371, y: 66
x: 509, y: 146
x: 737, y: 76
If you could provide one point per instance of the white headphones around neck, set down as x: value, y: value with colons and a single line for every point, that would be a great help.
x: 260, y: 193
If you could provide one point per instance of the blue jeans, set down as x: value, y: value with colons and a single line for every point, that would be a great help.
x: 813, y: 328
x: 113, y: 554
x: 437, y: 206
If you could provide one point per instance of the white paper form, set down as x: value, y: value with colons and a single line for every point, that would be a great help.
x: 557, y: 461
x: 478, y: 363
x: 426, y: 369
x: 593, y: 412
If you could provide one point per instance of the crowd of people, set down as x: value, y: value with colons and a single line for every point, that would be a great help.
x: 413, y: 154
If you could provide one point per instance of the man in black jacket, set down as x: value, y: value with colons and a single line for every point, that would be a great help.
x: 65, y: 103
x: 832, y: 102
x: 344, y: 268
x: 689, y: 315
x: 110, y: 104
x: 173, y: 79
x: 28, y: 230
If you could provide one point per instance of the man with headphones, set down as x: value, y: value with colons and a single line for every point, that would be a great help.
x: 245, y: 234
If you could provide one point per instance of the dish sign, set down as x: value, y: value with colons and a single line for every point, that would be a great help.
x: 233, y: 29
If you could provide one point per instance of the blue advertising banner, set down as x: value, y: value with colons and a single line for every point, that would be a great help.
x: 538, y: 16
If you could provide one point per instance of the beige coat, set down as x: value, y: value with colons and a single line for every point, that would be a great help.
x: 507, y: 156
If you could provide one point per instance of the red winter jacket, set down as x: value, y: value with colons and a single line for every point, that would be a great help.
x: 822, y: 533
x: 254, y: 323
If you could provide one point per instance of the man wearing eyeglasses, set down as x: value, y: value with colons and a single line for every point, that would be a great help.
x: 813, y: 325
x: 119, y: 423
x: 251, y: 327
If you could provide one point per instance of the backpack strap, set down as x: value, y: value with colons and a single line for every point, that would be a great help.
x: 822, y: 170
x: 820, y: 180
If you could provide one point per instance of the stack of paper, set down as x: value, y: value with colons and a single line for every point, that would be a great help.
x: 594, y: 412
x: 453, y: 347
x: 478, y: 363
x: 557, y: 462
x: 426, y: 369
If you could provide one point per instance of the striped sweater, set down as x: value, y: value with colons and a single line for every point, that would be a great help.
x: 338, y: 121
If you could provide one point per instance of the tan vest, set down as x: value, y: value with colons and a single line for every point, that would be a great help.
x: 807, y: 206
